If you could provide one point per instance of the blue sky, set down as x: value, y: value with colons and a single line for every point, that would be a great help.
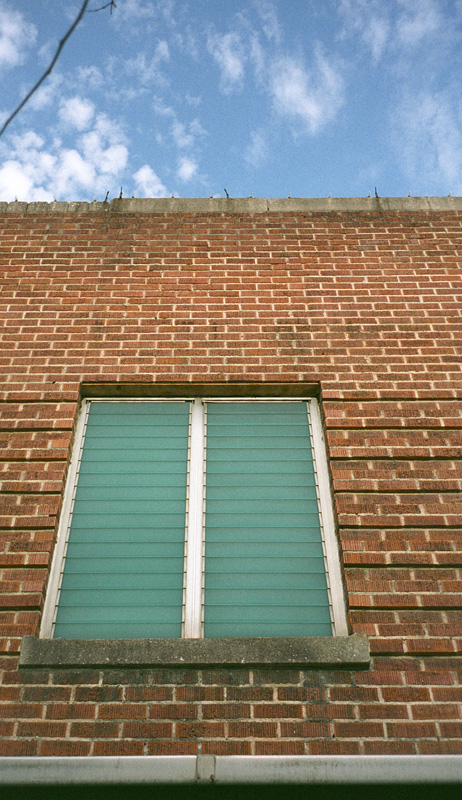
x: 269, y: 98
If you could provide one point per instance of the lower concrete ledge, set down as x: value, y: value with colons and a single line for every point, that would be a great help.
x: 223, y: 770
x: 328, y: 652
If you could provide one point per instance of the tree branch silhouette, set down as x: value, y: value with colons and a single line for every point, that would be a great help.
x: 61, y: 44
x: 110, y: 5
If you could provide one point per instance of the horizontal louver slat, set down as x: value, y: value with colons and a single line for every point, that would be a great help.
x: 250, y: 612
x: 114, y: 630
x: 110, y: 580
x: 264, y: 580
x: 124, y: 566
x: 266, y: 534
x: 244, y: 629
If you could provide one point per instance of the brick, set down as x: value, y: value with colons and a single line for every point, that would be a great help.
x: 147, y: 730
x: 94, y: 730
x: 443, y: 747
x: 355, y: 694
x: 384, y: 711
x: 308, y: 730
x: 451, y: 730
x: 64, y: 748
x: 99, y: 694
x: 18, y: 710
x: 18, y: 748
x: 389, y: 748
x: 406, y: 694
x: 359, y: 730
x: 226, y: 711
x: 439, y: 712
x: 156, y: 747
x: 122, y: 711
x: 118, y: 748
x: 279, y: 748
x: 333, y: 748
x: 199, y: 730
x: 411, y: 730
x: 70, y: 711
x: 272, y: 710
x: 255, y: 730
x: 199, y: 693
x: 42, y: 729
x: 172, y: 711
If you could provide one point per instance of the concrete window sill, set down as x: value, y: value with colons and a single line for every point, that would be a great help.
x: 304, y: 652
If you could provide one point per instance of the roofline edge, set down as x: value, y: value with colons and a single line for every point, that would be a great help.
x: 216, y: 205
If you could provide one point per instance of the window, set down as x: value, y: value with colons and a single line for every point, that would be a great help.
x: 196, y: 518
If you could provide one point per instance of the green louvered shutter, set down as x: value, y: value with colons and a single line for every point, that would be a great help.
x: 123, y: 574
x: 264, y: 565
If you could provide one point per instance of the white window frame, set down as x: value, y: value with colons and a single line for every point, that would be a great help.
x: 193, y: 586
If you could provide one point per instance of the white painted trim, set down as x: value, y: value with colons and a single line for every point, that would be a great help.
x: 56, y: 572
x: 326, y: 509
x: 179, y: 399
x: 258, y: 399
x: 195, y: 524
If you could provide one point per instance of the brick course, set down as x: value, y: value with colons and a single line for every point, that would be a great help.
x: 364, y: 303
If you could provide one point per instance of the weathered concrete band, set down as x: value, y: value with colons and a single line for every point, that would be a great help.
x: 319, y: 770
x: 305, y: 652
x: 238, y: 205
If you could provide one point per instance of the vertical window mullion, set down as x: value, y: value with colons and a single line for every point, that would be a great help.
x: 195, y: 524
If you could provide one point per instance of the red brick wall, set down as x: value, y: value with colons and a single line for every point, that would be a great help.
x: 366, y: 304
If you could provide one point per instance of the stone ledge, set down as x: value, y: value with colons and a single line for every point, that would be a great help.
x: 381, y: 776
x: 239, y: 205
x: 304, y: 652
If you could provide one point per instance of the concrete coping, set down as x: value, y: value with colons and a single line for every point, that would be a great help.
x: 318, y: 770
x: 242, y: 205
x: 332, y: 652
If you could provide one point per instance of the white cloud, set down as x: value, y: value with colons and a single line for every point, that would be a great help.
x: 90, y: 76
x: 16, y: 36
x: 47, y: 93
x: 147, y: 70
x: 270, y: 23
x: 187, y: 41
x: 135, y: 9
x: 193, y: 100
x: 131, y: 12
x: 313, y: 98
x: 16, y: 183
x: 110, y: 159
x: 187, y: 168
x: 228, y: 52
x: 72, y: 173
x: 182, y: 135
x: 34, y: 170
x: 376, y: 33
x: 257, y: 149
x: 148, y: 184
x: 398, y: 25
x: 417, y: 20
x: 76, y: 112
x: 428, y: 131
x: 162, y: 52
x: 371, y: 19
x: 103, y: 146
